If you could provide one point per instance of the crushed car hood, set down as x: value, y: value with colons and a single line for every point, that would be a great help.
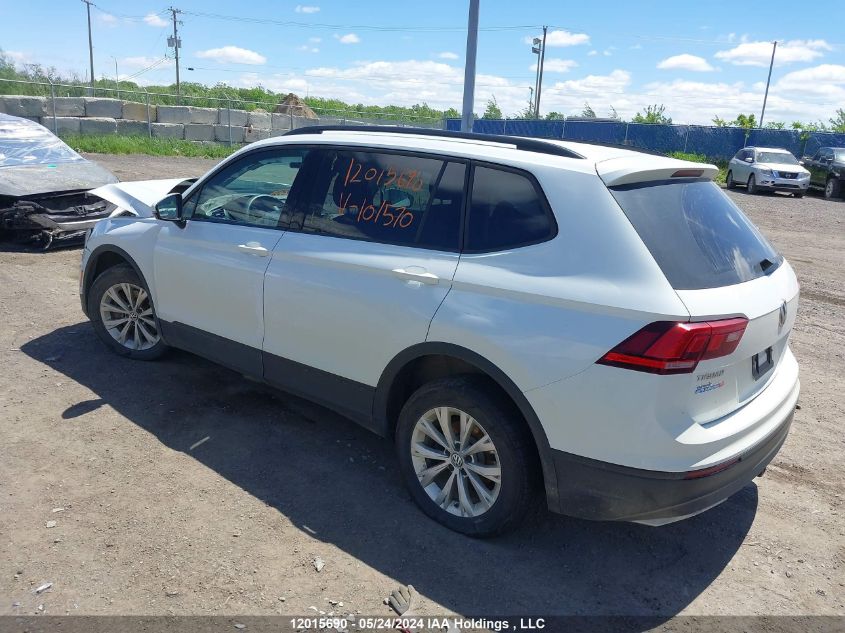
x: 30, y: 180
x: 139, y: 196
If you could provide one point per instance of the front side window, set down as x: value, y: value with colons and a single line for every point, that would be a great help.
x: 387, y: 198
x: 507, y: 210
x: 253, y: 191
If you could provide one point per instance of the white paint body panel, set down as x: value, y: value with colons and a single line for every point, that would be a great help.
x: 336, y: 304
x: 543, y: 314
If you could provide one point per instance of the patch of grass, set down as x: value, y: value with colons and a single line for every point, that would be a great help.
x: 114, y: 144
x: 701, y: 158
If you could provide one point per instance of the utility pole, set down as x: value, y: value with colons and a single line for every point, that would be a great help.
x: 469, y: 67
x: 540, y: 75
x: 176, y: 43
x: 116, y: 77
x: 768, y: 81
x: 88, y: 4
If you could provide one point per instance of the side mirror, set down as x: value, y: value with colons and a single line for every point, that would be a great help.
x: 801, y: 162
x: 170, y: 208
x: 749, y: 160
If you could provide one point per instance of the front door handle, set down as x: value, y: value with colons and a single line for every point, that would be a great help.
x: 253, y: 248
x: 412, y: 275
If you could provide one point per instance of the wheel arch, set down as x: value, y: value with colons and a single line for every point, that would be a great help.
x: 428, y: 361
x: 101, y: 259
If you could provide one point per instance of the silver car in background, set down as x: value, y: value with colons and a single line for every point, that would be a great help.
x: 767, y: 169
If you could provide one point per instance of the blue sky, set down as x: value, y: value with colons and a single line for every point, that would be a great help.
x: 693, y: 57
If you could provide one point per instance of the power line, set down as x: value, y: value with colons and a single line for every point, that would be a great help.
x: 356, y: 27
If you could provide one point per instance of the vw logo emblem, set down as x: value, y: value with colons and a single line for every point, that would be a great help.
x: 456, y: 460
x: 782, y: 316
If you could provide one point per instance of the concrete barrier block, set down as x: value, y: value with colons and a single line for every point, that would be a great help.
x: 173, y: 114
x: 280, y: 121
x: 65, y: 124
x: 255, y: 134
x: 199, y: 131
x: 258, y: 119
x: 221, y: 133
x: 204, y: 115
x: 168, y: 130
x: 97, y: 125
x: 67, y: 106
x: 104, y: 108
x: 137, y: 111
x: 239, y: 117
x: 25, y: 106
x: 132, y: 128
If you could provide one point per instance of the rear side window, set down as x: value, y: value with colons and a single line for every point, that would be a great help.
x: 699, y: 238
x: 507, y: 210
x: 388, y: 198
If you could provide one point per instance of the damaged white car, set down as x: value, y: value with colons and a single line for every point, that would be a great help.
x: 44, y: 187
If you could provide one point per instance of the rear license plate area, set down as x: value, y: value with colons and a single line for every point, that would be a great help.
x: 762, y: 363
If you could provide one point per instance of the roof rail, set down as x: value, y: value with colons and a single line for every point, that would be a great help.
x: 527, y: 144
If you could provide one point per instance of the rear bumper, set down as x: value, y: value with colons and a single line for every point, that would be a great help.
x: 591, y: 489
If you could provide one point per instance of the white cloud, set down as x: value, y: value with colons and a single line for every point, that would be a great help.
x: 233, y: 55
x: 760, y: 53
x: 562, y: 38
x: 315, y: 40
x: 556, y: 65
x: 349, y: 38
x: 308, y: 49
x: 142, y: 61
x: 107, y: 19
x: 153, y: 19
x: 447, y: 55
x: 592, y: 53
x: 686, y: 61
x: 18, y: 58
x: 306, y: 9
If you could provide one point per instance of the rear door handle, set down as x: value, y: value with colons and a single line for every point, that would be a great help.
x: 422, y: 276
x: 253, y: 248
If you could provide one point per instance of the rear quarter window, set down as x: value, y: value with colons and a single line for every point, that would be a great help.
x: 507, y: 210
x: 696, y: 234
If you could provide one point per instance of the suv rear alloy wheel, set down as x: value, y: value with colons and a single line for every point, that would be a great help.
x: 123, y: 315
x: 832, y: 188
x: 465, y: 457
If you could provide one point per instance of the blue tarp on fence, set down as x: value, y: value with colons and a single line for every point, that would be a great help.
x: 716, y: 143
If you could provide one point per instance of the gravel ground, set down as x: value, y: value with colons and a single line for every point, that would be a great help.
x: 179, y: 487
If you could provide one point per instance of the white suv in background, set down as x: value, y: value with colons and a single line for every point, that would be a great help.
x: 767, y: 169
x: 524, y: 317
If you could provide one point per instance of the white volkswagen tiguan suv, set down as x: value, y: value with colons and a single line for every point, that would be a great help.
x: 524, y: 317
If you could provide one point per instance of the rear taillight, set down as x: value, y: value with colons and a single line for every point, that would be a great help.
x: 667, y: 347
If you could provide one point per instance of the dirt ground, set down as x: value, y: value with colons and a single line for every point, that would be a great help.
x: 178, y: 487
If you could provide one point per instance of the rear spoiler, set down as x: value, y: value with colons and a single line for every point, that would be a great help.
x: 627, y: 170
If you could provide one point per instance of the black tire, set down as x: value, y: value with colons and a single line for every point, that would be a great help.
x: 832, y: 188
x: 730, y: 183
x: 518, y: 492
x: 798, y: 194
x: 122, y: 273
x: 752, y: 184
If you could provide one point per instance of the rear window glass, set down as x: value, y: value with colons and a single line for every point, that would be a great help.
x: 699, y: 238
x: 506, y: 211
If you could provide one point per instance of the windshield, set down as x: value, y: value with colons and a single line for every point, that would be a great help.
x: 696, y: 234
x: 782, y: 158
x: 23, y: 142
